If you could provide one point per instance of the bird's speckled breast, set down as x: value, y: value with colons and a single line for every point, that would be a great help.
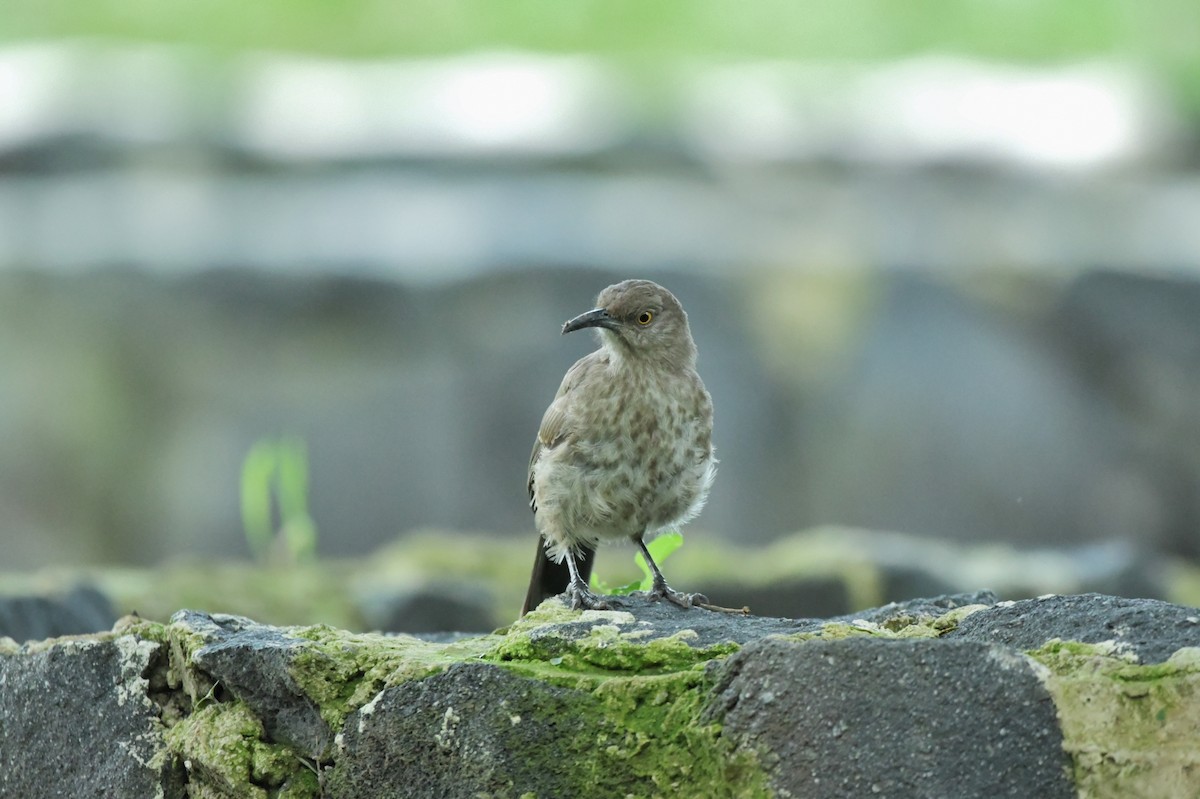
x: 638, y: 458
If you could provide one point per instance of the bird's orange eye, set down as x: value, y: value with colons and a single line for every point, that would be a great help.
x: 644, y: 318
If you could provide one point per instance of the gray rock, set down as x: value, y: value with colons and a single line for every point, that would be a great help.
x: 653, y: 621
x: 864, y: 716
x: 1150, y: 629
x: 83, y: 609
x: 252, y: 661
x: 473, y: 730
x: 77, y: 720
x: 917, y: 610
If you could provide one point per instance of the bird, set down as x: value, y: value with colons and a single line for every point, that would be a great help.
x: 624, y: 451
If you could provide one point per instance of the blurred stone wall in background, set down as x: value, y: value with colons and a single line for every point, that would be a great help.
x: 912, y: 314
x: 911, y: 404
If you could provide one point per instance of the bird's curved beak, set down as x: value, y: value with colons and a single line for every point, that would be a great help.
x: 597, y: 317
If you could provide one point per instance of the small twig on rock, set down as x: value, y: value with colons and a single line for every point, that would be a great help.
x: 744, y: 610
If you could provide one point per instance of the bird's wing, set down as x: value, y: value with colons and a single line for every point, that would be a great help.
x: 555, y: 422
x: 550, y: 577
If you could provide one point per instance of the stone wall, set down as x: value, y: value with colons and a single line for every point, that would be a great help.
x: 1071, y: 696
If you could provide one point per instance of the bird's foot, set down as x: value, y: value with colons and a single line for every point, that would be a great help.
x: 683, y: 600
x: 582, y: 598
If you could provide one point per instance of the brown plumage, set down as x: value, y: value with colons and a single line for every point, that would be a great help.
x: 625, y: 449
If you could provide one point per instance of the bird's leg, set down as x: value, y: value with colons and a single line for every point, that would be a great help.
x: 581, y: 595
x: 664, y: 591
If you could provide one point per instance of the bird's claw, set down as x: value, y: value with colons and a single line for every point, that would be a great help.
x: 683, y: 600
x: 582, y: 598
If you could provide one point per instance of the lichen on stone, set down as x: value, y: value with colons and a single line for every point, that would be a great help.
x: 901, y: 625
x: 1130, y: 728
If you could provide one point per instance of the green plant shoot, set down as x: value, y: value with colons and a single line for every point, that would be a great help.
x: 275, y: 476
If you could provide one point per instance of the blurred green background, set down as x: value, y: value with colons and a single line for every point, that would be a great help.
x: 941, y: 261
x: 1161, y: 33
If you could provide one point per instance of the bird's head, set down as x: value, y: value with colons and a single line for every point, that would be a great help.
x: 641, y: 319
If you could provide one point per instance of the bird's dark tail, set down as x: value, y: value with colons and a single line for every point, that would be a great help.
x: 551, y: 579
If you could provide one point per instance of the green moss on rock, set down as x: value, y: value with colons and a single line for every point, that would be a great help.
x: 221, y: 746
x: 654, y: 736
x: 342, y: 671
x: 594, y: 643
x: 643, y: 736
x: 504, y: 733
x: 623, y: 710
x: 632, y: 721
x: 1130, y: 729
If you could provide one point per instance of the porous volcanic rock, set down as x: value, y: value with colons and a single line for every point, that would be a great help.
x: 963, y: 696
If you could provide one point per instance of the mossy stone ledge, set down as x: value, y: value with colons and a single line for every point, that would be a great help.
x: 962, y: 695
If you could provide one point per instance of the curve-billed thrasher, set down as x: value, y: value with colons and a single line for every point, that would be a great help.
x: 625, y: 450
